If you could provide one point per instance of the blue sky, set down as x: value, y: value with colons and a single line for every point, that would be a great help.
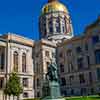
x: 21, y: 16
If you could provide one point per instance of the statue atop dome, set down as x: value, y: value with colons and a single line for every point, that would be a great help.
x: 52, y: 0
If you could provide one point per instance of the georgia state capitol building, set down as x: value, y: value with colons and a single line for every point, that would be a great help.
x: 78, y: 58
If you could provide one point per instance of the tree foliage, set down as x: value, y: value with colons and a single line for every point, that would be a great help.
x: 13, y: 86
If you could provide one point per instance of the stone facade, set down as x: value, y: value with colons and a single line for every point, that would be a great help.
x: 12, y: 50
x: 44, y: 51
x: 79, y: 63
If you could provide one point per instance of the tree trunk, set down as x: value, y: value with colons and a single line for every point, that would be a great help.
x: 5, y: 97
x: 18, y: 97
x: 13, y: 97
x: 9, y: 97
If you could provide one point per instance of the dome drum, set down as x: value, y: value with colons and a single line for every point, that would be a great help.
x: 54, y: 25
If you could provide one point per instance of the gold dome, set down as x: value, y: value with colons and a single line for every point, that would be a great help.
x: 53, y: 7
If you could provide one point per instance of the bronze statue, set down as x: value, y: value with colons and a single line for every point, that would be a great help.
x: 52, y: 72
x: 51, y: 88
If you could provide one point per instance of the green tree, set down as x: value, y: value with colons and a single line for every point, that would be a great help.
x: 13, y: 86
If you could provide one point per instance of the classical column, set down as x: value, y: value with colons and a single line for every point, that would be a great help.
x: 54, y: 26
x: 20, y: 61
x: 11, y: 60
x: 47, y: 27
x: 60, y: 20
x: 28, y: 63
x: 0, y: 62
x: 5, y: 60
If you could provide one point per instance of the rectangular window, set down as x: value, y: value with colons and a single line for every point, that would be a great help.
x: 72, y: 91
x: 95, y: 39
x: 1, y: 82
x: 24, y: 62
x: 88, y: 61
x: 98, y: 74
x: 83, y: 91
x: 38, y: 82
x: 58, y: 29
x: 51, y: 29
x: 63, y: 29
x: 81, y: 78
x: 63, y: 81
x: 38, y: 94
x: 47, y: 53
x: 53, y: 55
x: 25, y: 95
x: 61, y: 68
x: 78, y: 49
x: 86, y: 46
x: 24, y: 68
x: 97, y: 56
x: 2, y: 62
x: 92, y: 91
x: 71, y: 67
x: 47, y: 64
x: 90, y: 77
x: 25, y: 82
x: 64, y: 92
x: 71, y: 78
x: 80, y: 63
x: 61, y: 54
x: 69, y: 53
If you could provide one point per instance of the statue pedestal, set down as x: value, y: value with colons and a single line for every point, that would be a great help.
x: 54, y: 92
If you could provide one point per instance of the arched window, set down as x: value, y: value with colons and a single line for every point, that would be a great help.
x: 50, y: 23
x: 57, y: 25
x: 65, y: 19
x: 23, y: 62
x: 15, y: 55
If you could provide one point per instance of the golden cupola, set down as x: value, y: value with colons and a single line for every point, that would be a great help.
x: 55, y: 22
x: 54, y: 6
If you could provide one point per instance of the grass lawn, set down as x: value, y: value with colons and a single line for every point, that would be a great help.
x: 76, y: 98
x: 84, y: 98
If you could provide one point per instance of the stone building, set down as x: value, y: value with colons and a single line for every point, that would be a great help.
x: 79, y: 62
x: 16, y: 55
x: 78, y: 58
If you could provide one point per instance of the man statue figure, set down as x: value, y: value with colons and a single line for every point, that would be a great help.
x: 52, y: 74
